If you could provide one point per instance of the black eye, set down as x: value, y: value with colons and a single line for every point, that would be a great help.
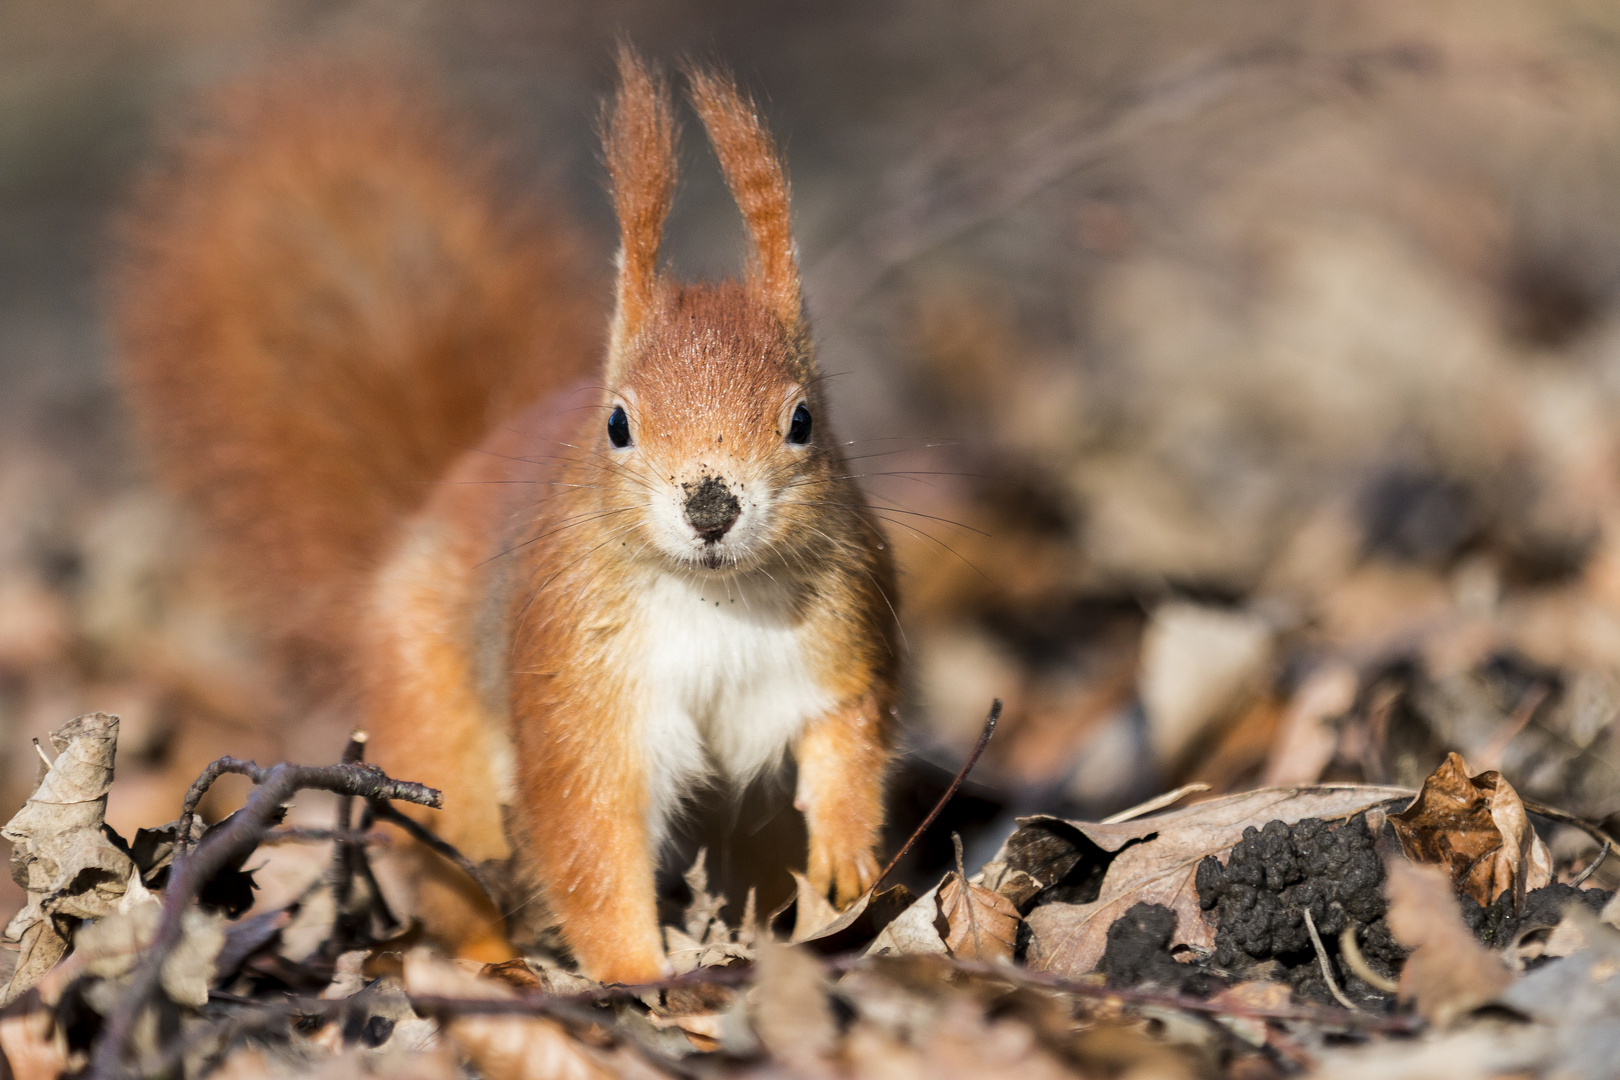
x: 619, y: 428
x: 799, y: 429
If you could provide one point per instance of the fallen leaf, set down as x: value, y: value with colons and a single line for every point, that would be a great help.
x: 1307, y: 741
x: 1151, y: 860
x: 1449, y: 972
x: 59, y: 854
x: 791, y: 1013
x: 914, y: 932
x: 109, y: 947
x: 981, y: 925
x: 501, y: 1047
x: 812, y: 910
x: 515, y: 973
x: 702, y: 919
x: 1199, y: 664
x: 1476, y: 828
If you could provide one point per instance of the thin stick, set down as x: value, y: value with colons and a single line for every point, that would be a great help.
x: 961, y: 775
x: 1326, y: 964
x: 423, y: 835
x: 1350, y: 949
x: 199, y: 788
x: 1552, y: 813
x: 346, y: 859
x: 1580, y: 879
x: 194, y: 869
x: 298, y: 834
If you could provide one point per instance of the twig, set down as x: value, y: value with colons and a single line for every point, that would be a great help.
x: 199, y: 788
x: 1314, y: 1014
x: 194, y: 869
x: 1580, y: 879
x: 423, y: 835
x: 351, y: 924
x: 531, y: 1004
x: 1326, y: 964
x: 961, y: 775
x: 298, y: 834
x: 1552, y: 813
x: 1350, y: 949
x: 1491, y: 757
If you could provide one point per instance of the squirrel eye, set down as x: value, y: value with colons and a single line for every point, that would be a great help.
x: 619, y: 428
x: 799, y: 429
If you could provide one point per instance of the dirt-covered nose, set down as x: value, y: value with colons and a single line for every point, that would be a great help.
x: 711, y: 508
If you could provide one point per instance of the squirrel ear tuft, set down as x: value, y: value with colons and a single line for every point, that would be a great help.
x: 639, y: 143
x: 753, y: 172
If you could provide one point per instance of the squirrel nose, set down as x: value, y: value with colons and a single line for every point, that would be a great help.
x: 711, y: 508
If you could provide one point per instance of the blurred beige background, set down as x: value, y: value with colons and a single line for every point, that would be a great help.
x: 1239, y: 378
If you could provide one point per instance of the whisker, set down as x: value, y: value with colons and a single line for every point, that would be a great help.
x: 567, y: 523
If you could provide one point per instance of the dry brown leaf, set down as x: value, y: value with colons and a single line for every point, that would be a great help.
x: 1153, y: 860
x: 814, y: 912
x: 915, y: 931
x: 59, y: 853
x: 702, y: 920
x: 981, y: 925
x: 1307, y: 741
x: 501, y: 1047
x: 1449, y: 972
x: 1198, y: 665
x: 110, y: 946
x: 789, y: 1007
x: 1476, y: 828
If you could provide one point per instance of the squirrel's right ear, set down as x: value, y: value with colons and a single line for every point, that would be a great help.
x: 639, y: 142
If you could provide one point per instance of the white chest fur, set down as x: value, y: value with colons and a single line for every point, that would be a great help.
x: 721, y: 681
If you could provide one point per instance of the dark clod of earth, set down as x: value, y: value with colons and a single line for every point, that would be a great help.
x: 1256, y: 903
x: 1277, y: 873
x: 1499, y: 927
x: 1138, y: 954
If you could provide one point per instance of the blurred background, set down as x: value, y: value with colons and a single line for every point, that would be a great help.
x: 1239, y: 378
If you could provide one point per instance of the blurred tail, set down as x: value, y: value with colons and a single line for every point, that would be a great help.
x: 324, y: 297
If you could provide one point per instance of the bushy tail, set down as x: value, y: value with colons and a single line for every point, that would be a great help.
x: 325, y: 295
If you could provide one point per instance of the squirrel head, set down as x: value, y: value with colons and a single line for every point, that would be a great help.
x: 712, y: 426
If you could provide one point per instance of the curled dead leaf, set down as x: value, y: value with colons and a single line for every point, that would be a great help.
x: 1476, y: 827
x: 59, y: 854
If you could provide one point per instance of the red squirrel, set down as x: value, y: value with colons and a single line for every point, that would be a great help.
x: 620, y: 593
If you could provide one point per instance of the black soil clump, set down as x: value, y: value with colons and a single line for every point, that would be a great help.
x: 1138, y: 954
x: 1499, y: 926
x: 1273, y: 875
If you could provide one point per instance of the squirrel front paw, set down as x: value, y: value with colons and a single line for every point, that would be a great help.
x: 841, y: 875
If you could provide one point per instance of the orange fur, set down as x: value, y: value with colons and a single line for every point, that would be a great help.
x: 324, y: 299
x: 557, y: 635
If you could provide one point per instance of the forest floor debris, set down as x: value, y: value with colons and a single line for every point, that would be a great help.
x: 1299, y: 931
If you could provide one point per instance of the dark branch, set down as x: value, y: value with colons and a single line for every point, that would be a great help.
x: 950, y: 792
x: 194, y: 869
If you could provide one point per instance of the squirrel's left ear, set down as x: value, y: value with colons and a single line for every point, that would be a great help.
x: 639, y: 143
x: 753, y: 172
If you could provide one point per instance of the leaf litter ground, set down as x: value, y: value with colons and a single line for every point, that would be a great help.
x: 1333, y: 930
